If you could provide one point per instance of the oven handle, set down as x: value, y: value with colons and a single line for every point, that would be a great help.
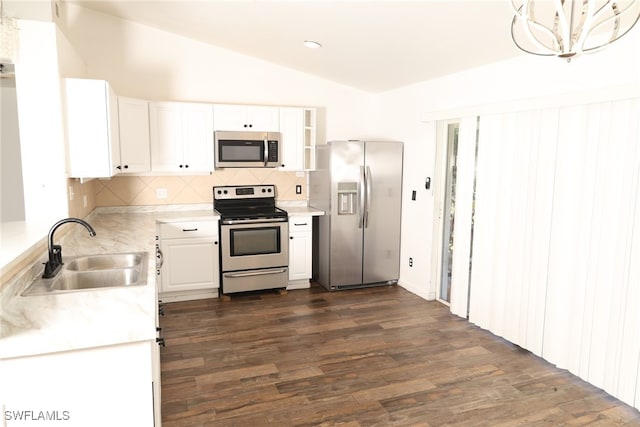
x: 252, y: 221
x: 255, y: 273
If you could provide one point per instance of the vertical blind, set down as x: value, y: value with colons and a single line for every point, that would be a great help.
x: 556, y: 246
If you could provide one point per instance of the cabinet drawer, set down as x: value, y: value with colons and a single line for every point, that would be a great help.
x: 180, y: 230
x: 300, y: 223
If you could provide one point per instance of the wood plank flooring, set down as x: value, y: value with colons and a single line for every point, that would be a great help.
x: 366, y: 357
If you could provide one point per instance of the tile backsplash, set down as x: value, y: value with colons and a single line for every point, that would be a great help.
x: 125, y: 190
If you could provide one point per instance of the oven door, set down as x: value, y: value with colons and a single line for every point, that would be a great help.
x: 254, y: 244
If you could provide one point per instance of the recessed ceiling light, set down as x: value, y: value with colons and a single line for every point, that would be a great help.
x: 312, y: 45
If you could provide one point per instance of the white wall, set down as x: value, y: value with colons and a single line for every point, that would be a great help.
x: 142, y: 62
x: 407, y: 114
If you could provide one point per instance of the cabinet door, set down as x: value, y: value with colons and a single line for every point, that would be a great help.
x: 292, y: 132
x: 96, y: 387
x: 245, y: 118
x: 230, y: 117
x: 114, y: 130
x: 299, y: 256
x: 189, y: 264
x: 165, y: 121
x: 265, y: 119
x: 300, y: 235
x: 92, y: 129
x: 135, y: 155
x: 197, y: 139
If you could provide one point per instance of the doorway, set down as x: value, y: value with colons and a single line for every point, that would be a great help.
x: 456, y: 151
x: 449, y: 210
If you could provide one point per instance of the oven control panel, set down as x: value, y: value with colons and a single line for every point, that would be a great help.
x: 230, y: 192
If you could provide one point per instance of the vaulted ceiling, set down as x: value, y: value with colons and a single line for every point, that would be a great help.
x: 370, y: 45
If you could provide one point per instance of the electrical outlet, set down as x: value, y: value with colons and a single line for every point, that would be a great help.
x: 410, y: 262
x: 162, y: 193
x: 298, y: 189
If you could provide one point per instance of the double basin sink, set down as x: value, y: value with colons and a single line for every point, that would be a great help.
x: 94, y: 272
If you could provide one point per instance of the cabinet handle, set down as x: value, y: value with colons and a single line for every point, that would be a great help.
x: 160, y: 342
x: 160, y: 258
x: 304, y: 223
x: 189, y: 229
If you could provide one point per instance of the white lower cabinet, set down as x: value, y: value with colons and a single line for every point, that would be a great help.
x: 98, y: 387
x: 300, y: 247
x: 189, y: 263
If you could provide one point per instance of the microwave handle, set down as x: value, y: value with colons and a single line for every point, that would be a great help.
x: 266, y: 151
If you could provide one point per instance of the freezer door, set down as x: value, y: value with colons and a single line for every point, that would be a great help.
x: 347, y: 157
x: 383, y: 165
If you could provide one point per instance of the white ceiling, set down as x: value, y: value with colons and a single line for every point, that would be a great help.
x: 370, y: 45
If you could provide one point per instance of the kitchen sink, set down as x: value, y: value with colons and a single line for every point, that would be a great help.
x: 106, y: 261
x: 94, y: 272
x: 97, y: 279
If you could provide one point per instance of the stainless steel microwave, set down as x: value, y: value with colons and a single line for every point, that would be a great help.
x: 237, y: 149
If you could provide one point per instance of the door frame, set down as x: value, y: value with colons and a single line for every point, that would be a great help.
x: 442, y: 145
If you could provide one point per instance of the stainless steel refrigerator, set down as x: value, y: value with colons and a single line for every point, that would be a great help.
x: 358, y: 184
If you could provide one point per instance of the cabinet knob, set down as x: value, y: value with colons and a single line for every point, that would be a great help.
x: 180, y: 166
x: 290, y: 237
x: 186, y: 166
x: 160, y: 342
x: 126, y: 166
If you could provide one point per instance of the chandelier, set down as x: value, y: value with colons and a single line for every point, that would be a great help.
x: 565, y: 28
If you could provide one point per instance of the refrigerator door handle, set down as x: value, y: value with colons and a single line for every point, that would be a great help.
x: 367, y: 175
x: 362, y: 207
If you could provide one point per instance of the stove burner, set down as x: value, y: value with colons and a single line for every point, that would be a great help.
x: 246, y: 202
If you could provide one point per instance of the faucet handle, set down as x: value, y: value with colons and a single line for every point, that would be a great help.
x: 57, y: 252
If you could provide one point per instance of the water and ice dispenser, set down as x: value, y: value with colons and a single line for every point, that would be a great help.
x: 347, y: 198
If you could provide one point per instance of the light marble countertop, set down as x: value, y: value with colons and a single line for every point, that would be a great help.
x: 39, y: 324
x: 296, y: 208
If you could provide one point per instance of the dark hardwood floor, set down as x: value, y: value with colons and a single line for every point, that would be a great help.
x: 366, y: 357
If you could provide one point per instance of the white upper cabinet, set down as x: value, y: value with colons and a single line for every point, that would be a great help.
x: 181, y: 137
x: 93, y: 146
x: 297, y: 128
x: 246, y: 117
x: 135, y: 154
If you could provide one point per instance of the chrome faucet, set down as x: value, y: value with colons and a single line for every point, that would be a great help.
x: 54, y: 264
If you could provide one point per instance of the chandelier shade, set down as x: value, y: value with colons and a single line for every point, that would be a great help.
x: 565, y: 28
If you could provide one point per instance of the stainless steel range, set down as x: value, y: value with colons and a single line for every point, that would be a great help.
x: 254, y: 250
